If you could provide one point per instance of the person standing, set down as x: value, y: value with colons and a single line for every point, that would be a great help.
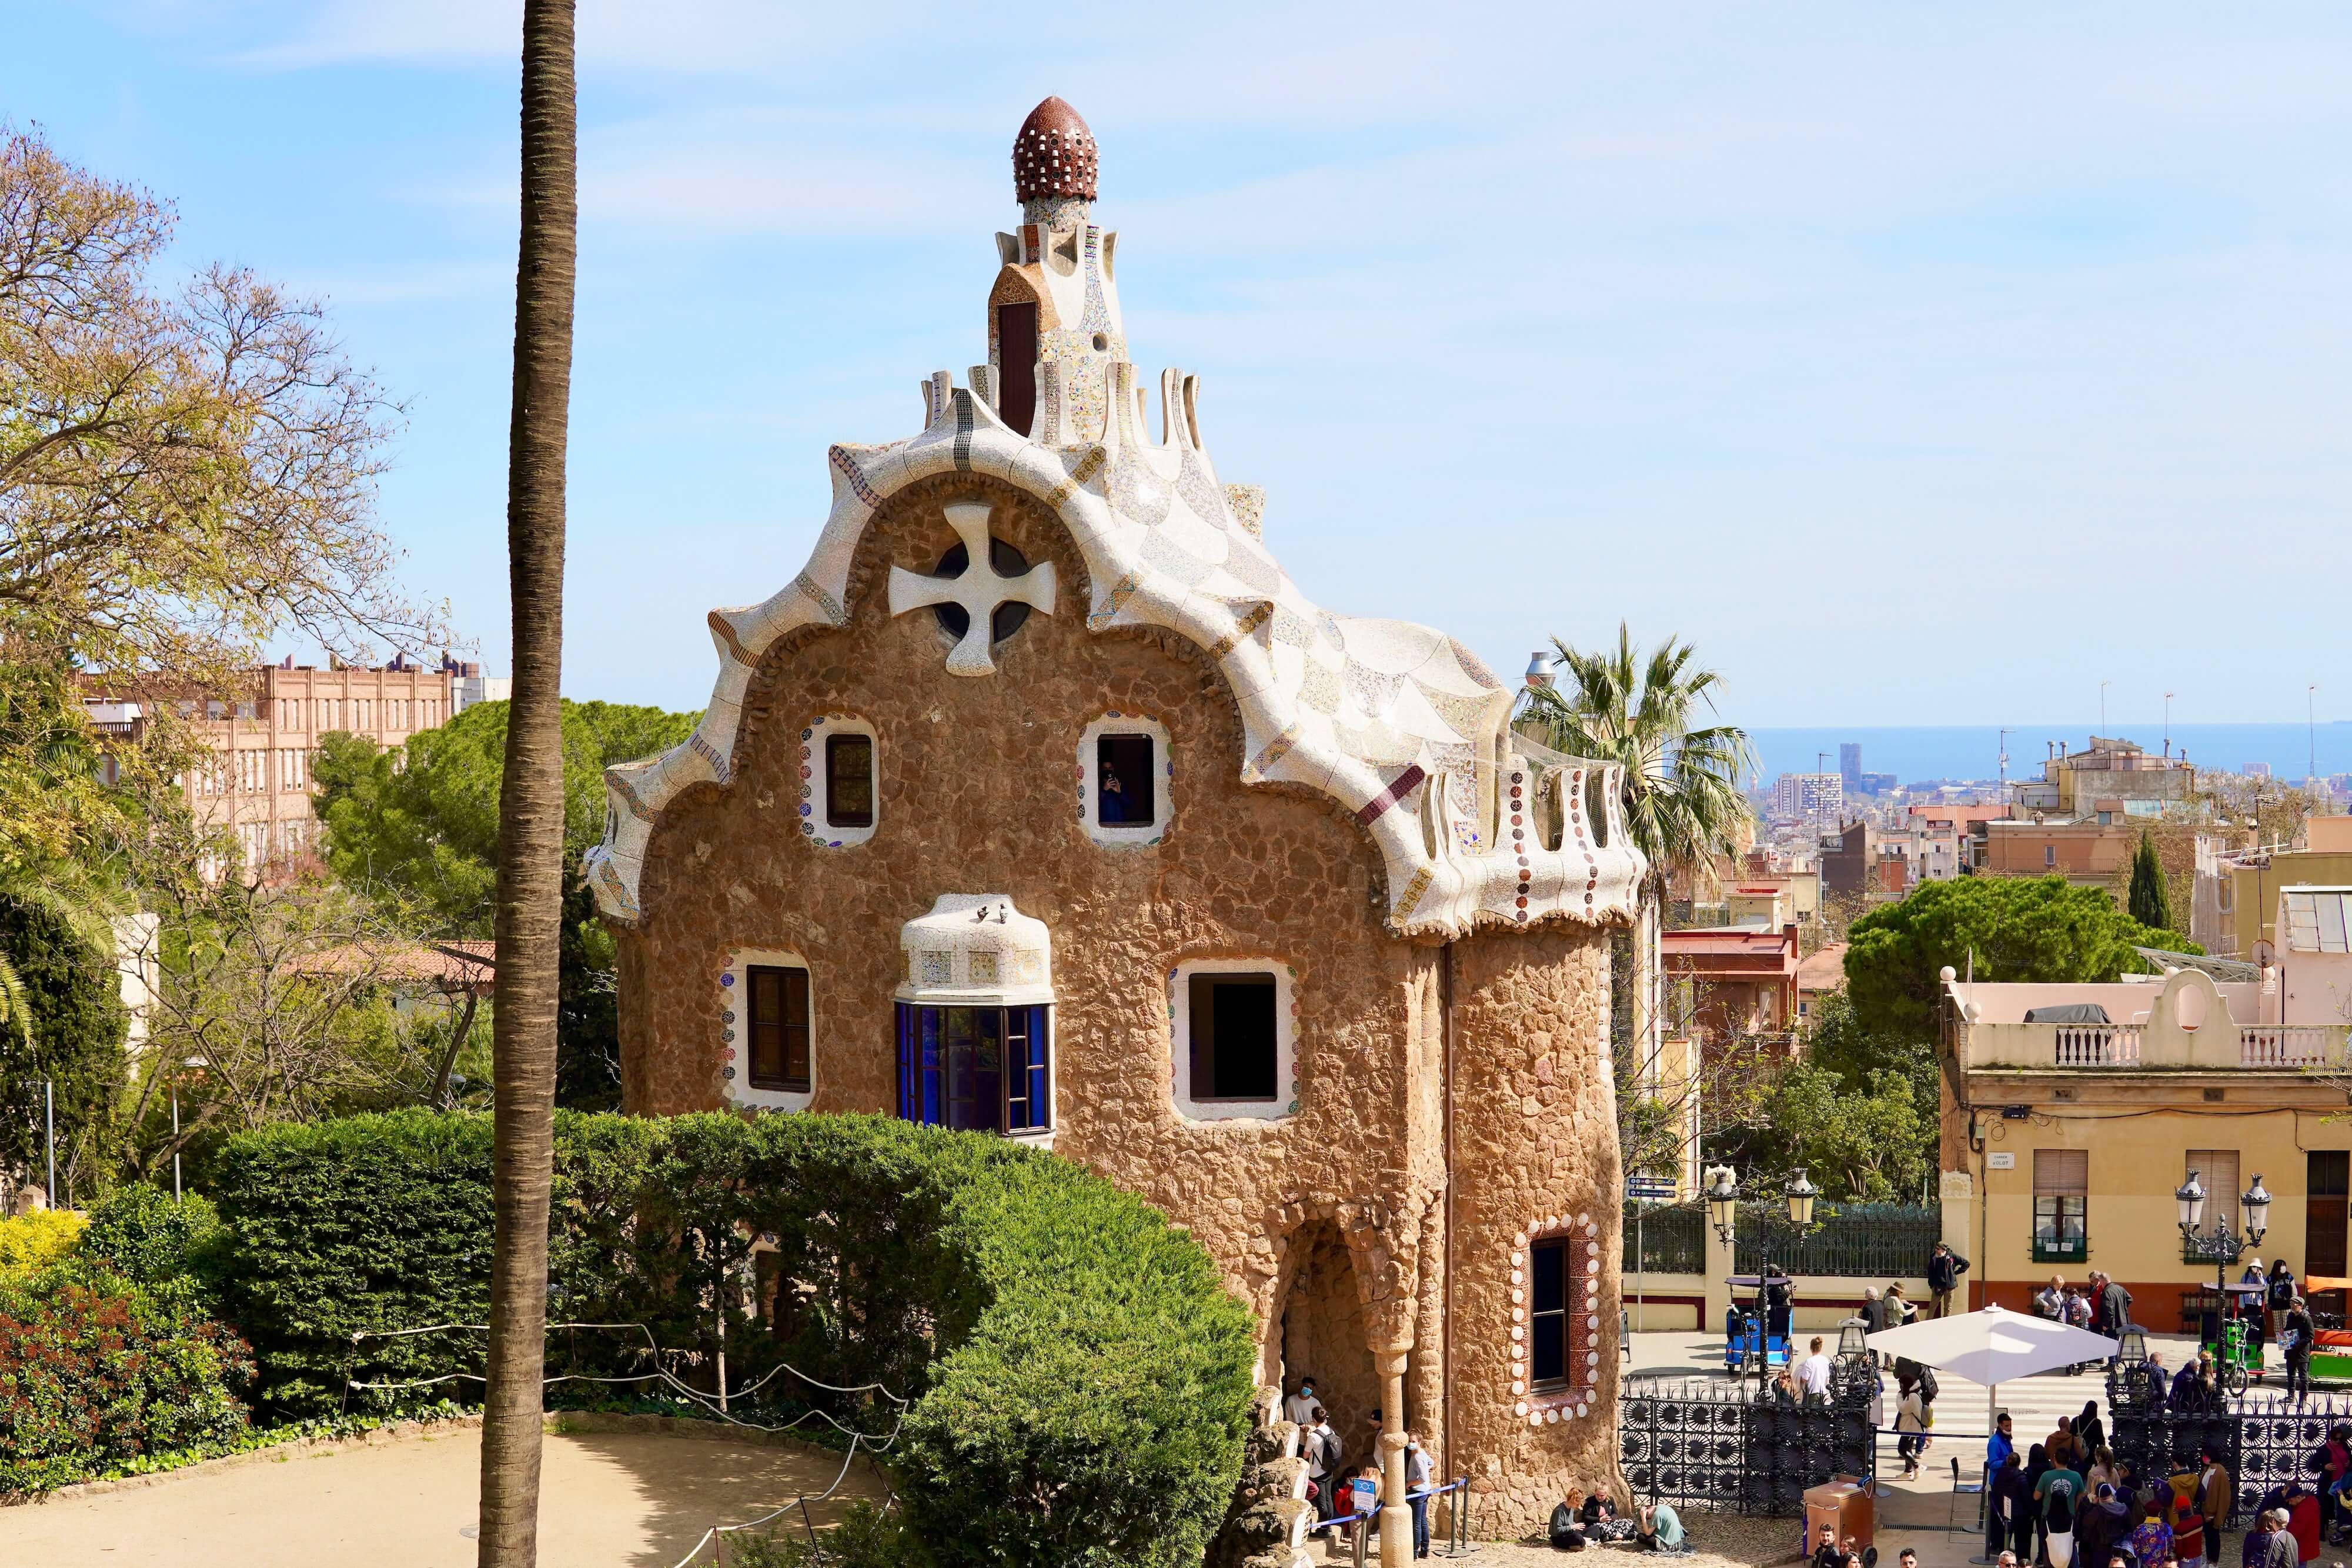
x: 2059, y: 1494
x: 2216, y: 1487
x: 1299, y: 1409
x: 2188, y: 1521
x: 2280, y: 1292
x: 2296, y: 1332
x: 1944, y: 1268
x: 1417, y: 1471
x: 1813, y: 1375
x: 2009, y: 1501
x: 1322, y: 1455
x: 2090, y: 1433
x: 2051, y: 1300
x: 2115, y: 1311
x: 1999, y: 1447
x: 1910, y: 1424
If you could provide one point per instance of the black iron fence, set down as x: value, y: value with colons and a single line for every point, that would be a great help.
x: 1665, y: 1240
x: 2264, y: 1440
x: 1721, y: 1445
x: 1854, y: 1240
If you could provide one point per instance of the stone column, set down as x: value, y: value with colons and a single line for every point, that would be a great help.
x: 1396, y: 1519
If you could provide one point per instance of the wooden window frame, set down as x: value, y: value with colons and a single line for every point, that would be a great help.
x: 784, y: 1080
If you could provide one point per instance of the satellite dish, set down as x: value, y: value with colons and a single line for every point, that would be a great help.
x: 2265, y: 955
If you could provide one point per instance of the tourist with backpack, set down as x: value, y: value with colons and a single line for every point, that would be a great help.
x: 1320, y: 1449
x: 2059, y: 1493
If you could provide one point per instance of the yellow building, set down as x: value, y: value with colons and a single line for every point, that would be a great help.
x: 2072, y: 1112
x: 2233, y: 883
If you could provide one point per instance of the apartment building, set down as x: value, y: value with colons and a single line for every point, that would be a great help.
x: 264, y: 740
x: 2234, y: 903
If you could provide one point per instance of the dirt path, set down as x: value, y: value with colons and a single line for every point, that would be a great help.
x: 608, y: 1500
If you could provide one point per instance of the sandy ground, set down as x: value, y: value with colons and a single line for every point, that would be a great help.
x: 608, y: 1500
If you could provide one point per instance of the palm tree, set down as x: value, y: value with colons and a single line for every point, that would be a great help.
x: 528, y: 917
x: 1682, y: 803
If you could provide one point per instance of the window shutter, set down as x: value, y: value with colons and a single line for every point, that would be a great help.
x: 2061, y: 1173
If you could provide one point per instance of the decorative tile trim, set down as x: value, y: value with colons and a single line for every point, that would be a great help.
x: 1403, y: 785
x: 1584, y: 1306
x: 814, y: 801
x: 735, y: 1031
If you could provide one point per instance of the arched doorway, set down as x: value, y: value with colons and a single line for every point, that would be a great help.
x: 1322, y: 1335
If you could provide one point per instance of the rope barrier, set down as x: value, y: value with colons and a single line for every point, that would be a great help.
x: 873, y: 1443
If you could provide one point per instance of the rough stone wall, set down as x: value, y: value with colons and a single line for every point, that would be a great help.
x: 1535, y: 1140
x: 978, y: 794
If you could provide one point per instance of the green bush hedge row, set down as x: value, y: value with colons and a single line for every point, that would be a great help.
x: 1080, y: 1377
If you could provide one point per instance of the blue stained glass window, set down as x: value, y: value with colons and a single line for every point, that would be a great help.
x: 975, y: 1069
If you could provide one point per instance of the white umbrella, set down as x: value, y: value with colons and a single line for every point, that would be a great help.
x: 1992, y: 1346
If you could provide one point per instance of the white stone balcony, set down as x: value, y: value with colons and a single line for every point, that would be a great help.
x: 2186, y: 1023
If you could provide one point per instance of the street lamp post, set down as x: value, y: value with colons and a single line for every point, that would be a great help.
x: 1723, y: 1211
x: 2223, y: 1247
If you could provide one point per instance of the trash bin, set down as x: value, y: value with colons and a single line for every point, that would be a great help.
x: 1843, y: 1503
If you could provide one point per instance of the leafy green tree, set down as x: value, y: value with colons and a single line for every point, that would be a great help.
x: 1860, y: 1141
x: 417, y: 827
x: 2021, y: 929
x: 2150, y: 902
x: 1681, y: 801
x: 68, y: 1034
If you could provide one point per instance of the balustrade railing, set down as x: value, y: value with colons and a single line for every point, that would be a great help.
x: 2289, y: 1045
x: 2095, y: 1045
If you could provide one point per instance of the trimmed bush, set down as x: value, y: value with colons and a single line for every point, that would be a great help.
x: 1080, y: 1379
x: 148, y: 1238
x: 96, y: 1370
x: 31, y: 1242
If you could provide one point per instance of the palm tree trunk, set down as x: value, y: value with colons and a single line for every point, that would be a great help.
x: 530, y: 803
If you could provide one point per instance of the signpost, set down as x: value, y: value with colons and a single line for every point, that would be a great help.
x: 1642, y: 1191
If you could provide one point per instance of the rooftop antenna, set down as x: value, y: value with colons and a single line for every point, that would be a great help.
x: 2168, y: 723
x: 2001, y: 762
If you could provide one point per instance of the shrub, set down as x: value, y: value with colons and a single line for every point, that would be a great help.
x: 866, y: 1537
x: 1079, y: 1377
x: 30, y: 1242
x: 95, y: 1370
x: 148, y: 1238
x: 78, y: 1027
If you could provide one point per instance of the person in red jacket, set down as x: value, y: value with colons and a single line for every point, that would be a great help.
x: 2303, y: 1521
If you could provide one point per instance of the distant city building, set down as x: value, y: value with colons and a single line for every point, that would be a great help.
x: 2089, y: 851
x: 1850, y: 763
x: 1730, y: 981
x: 2108, y: 769
x: 2256, y: 770
x: 265, y: 739
x: 469, y: 685
x: 1849, y: 858
x: 1796, y: 796
x: 2235, y: 879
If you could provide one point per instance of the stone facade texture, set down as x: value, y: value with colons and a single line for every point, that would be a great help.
x: 1329, y: 1222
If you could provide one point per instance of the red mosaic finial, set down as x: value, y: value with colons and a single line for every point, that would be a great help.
x: 1053, y: 155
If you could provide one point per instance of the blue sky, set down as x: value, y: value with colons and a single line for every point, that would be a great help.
x: 1924, y: 364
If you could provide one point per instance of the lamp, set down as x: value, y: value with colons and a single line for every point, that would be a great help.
x: 1852, y: 1347
x: 1801, y: 1194
x: 2253, y: 1208
x: 2190, y: 1195
x: 2131, y: 1346
x: 1723, y: 1202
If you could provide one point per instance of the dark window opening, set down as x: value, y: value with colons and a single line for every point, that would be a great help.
x: 1548, y: 1323
x: 1126, y: 788
x: 1596, y: 807
x: 779, y: 1028
x: 2327, y: 1203
x: 849, y: 780
x: 1232, y: 1044
x: 1016, y: 364
x: 975, y: 1069
x: 1009, y: 616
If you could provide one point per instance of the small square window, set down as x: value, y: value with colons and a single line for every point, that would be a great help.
x: 1233, y: 1043
x: 779, y: 1005
x: 1127, y: 789
x: 849, y: 780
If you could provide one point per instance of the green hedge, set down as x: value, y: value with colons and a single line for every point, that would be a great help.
x: 1081, y: 1378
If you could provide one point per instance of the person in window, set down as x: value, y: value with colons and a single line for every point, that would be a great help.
x: 1114, y: 797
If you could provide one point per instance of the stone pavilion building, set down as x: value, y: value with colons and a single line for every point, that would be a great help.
x: 1044, y: 802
